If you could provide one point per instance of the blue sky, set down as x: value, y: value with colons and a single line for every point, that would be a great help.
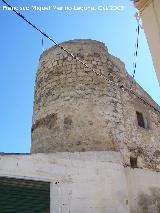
x: 21, y: 48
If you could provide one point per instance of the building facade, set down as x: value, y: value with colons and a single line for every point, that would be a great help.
x: 95, y: 139
x: 75, y: 110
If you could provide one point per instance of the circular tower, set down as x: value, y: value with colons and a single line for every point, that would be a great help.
x: 74, y: 109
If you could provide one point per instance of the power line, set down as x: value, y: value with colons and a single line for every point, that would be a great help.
x: 136, y: 50
x: 121, y: 86
x: 45, y: 35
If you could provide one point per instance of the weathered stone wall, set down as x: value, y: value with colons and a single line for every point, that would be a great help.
x: 76, y: 110
x: 138, y: 142
x: 85, y: 109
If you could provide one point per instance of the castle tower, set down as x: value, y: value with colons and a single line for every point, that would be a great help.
x: 74, y: 109
x: 105, y: 133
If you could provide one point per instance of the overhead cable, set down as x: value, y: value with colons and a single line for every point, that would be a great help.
x: 121, y: 86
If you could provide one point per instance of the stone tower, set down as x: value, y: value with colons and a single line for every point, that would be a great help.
x: 95, y: 141
x: 76, y: 110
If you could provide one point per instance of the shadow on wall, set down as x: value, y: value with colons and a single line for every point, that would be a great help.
x: 149, y: 203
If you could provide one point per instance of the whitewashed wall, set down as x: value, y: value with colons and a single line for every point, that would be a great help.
x: 144, y: 190
x: 88, y: 182
x: 80, y: 182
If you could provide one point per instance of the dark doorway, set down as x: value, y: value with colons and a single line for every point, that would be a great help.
x: 133, y: 162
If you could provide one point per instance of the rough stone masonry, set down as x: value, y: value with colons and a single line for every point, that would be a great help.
x: 76, y: 111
